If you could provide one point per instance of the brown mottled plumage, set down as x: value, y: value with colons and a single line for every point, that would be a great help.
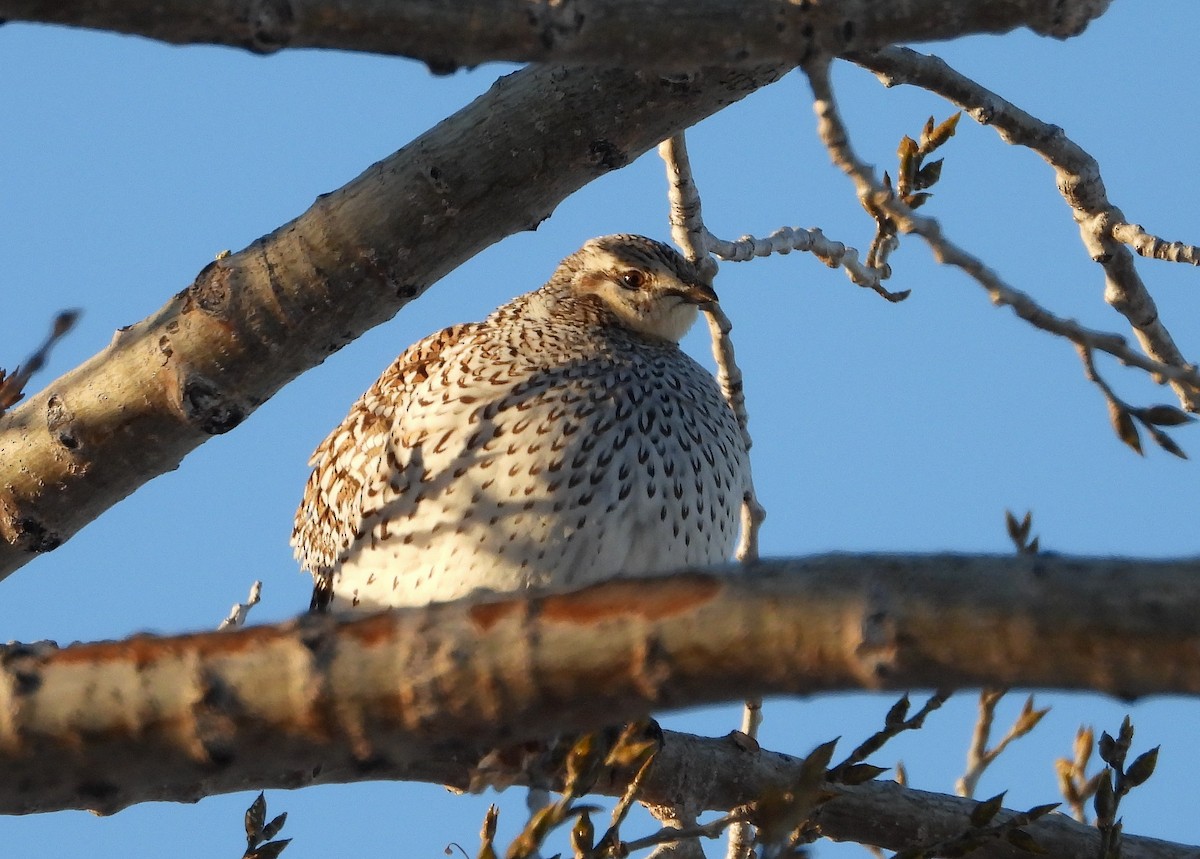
x: 564, y: 440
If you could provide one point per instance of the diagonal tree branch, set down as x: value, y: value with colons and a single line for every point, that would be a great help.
x: 254, y: 320
x: 833, y: 133
x: 447, y: 34
x: 110, y: 724
x: 1079, y: 182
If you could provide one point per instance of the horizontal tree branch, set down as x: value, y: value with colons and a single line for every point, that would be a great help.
x: 660, y: 34
x: 109, y: 724
x: 254, y: 320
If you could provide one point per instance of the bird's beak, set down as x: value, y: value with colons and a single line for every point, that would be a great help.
x: 696, y: 293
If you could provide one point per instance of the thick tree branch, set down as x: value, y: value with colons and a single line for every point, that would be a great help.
x: 446, y: 34
x: 254, y: 320
x: 109, y: 724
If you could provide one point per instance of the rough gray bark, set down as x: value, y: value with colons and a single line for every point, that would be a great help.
x: 253, y: 321
x: 392, y: 695
x: 659, y: 34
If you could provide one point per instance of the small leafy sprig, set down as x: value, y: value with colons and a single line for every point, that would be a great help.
x: 981, y: 829
x: 1019, y: 532
x: 1076, y: 785
x: 1125, y: 418
x: 259, y: 833
x: 914, y: 177
x: 1115, y: 782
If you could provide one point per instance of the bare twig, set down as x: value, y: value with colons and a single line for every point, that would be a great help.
x: 1122, y: 415
x: 979, y: 756
x: 689, y: 232
x: 687, y: 229
x: 1152, y: 247
x: 897, y: 721
x: 12, y: 387
x: 788, y: 239
x: 668, y: 834
x: 1079, y: 181
x: 1076, y: 785
x: 832, y: 132
x: 237, y: 614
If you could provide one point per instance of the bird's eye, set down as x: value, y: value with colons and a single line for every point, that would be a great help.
x: 633, y: 279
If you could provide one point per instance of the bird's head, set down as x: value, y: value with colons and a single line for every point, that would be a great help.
x: 645, y: 284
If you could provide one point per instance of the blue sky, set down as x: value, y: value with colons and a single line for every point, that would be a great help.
x: 126, y: 165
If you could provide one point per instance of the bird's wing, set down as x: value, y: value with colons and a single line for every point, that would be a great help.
x: 354, y: 463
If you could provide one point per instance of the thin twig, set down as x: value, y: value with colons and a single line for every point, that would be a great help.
x: 788, y: 239
x: 832, y: 132
x: 896, y: 722
x: 1076, y: 785
x: 1104, y: 229
x: 689, y: 232
x: 237, y: 614
x: 12, y: 386
x: 1152, y: 247
x: 979, y: 756
x: 712, y: 829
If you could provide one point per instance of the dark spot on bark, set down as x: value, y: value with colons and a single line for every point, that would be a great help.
x: 210, y: 291
x: 270, y: 24
x: 26, y: 683
x: 607, y: 155
x: 441, y: 66
x: 220, y: 756
x: 33, y: 536
x: 60, y: 421
x: 848, y: 32
x: 98, y: 790
x: 370, y: 764
x: 205, y: 407
x: 407, y: 290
